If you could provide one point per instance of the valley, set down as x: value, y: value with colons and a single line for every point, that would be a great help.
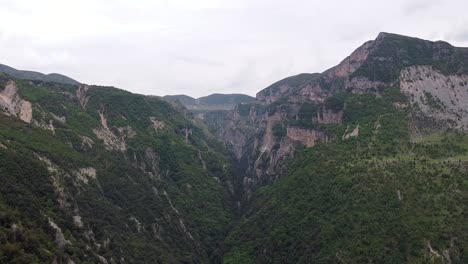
x: 366, y: 162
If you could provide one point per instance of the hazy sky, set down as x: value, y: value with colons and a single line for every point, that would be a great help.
x: 198, y: 47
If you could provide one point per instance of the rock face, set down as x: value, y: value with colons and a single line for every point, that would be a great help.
x: 443, y: 98
x: 306, y: 137
x: 289, y: 113
x: 98, y: 168
x: 261, y: 140
x: 82, y: 94
x: 12, y: 103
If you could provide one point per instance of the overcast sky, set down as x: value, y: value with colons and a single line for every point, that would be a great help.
x: 198, y: 47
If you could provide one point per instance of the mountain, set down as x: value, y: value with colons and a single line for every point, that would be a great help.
x: 298, y: 111
x: 366, y: 162
x: 185, y: 100
x: 100, y: 175
x: 36, y: 76
x: 363, y: 163
x: 211, y: 102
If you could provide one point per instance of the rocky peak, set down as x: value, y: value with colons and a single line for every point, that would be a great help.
x: 294, y: 112
x: 373, y: 66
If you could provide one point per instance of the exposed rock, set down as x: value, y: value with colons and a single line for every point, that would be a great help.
x: 77, y: 221
x: 354, y: 133
x: 361, y: 84
x: 59, y: 237
x: 201, y: 159
x: 306, y: 137
x: 103, y: 118
x: 42, y: 124
x: 437, y: 96
x: 111, y: 141
x: 102, y: 259
x: 137, y: 223
x: 236, y: 139
x: 11, y: 102
x: 399, y: 105
x: 61, y: 119
x: 433, y: 253
x: 56, y: 174
x: 328, y: 116
x: 82, y: 95
x: 181, y: 223
x: 351, y: 63
x: 86, y: 174
x: 86, y: 142
x: 126, y: 132
x: 157, y: 124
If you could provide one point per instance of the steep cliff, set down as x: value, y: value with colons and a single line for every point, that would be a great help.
x: 368, y: 160
x: 428, y: 78
x: 100, y: 175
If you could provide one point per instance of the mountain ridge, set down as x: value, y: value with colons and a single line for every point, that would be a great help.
x: 216, y: 101
x: 365, y: 162
x: 36, y: 76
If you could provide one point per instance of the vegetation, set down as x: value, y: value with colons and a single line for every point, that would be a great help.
x: 376, y: 198
x: 138, y: 179
x: 163, y: 200
x: 394, y: 52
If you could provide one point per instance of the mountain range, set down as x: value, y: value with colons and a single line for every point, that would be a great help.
x: 36, y: 76
x: 366, y: 162
x: 211, y: 102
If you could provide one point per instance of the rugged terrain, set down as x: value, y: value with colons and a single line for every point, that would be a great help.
x: 426, y: 79
x: 99, y: 175
x: 366, y: 162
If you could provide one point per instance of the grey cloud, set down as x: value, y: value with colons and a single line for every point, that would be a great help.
x: 199, y: 47
x: 415, y: 6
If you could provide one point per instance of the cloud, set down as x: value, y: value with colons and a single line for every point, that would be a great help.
x: 415, y: 6
x: 203, y: 46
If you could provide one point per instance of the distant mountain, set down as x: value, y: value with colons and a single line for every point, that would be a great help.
x: 182, y: 98
x: 36, y: 76
x: 211, y: 102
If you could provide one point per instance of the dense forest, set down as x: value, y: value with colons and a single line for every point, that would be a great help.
x: 366, y: 162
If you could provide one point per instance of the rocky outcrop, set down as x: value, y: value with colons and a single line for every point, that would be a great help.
x: 351, y: 63
x: 86, y: 174
x: 113, y: 139
x: 442, y: 98
x: 59, y: 236
x: 306, y: 137
x: 44, y: 125
x: 158, y: 125
x: 353, y: 133
x: 289, y: 113
x: 82, y: 95
x: 86, y: 142
x: 328, y: 116
x: 13, y: 104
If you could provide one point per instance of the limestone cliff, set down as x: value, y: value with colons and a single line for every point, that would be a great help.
x: 301, y: 110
